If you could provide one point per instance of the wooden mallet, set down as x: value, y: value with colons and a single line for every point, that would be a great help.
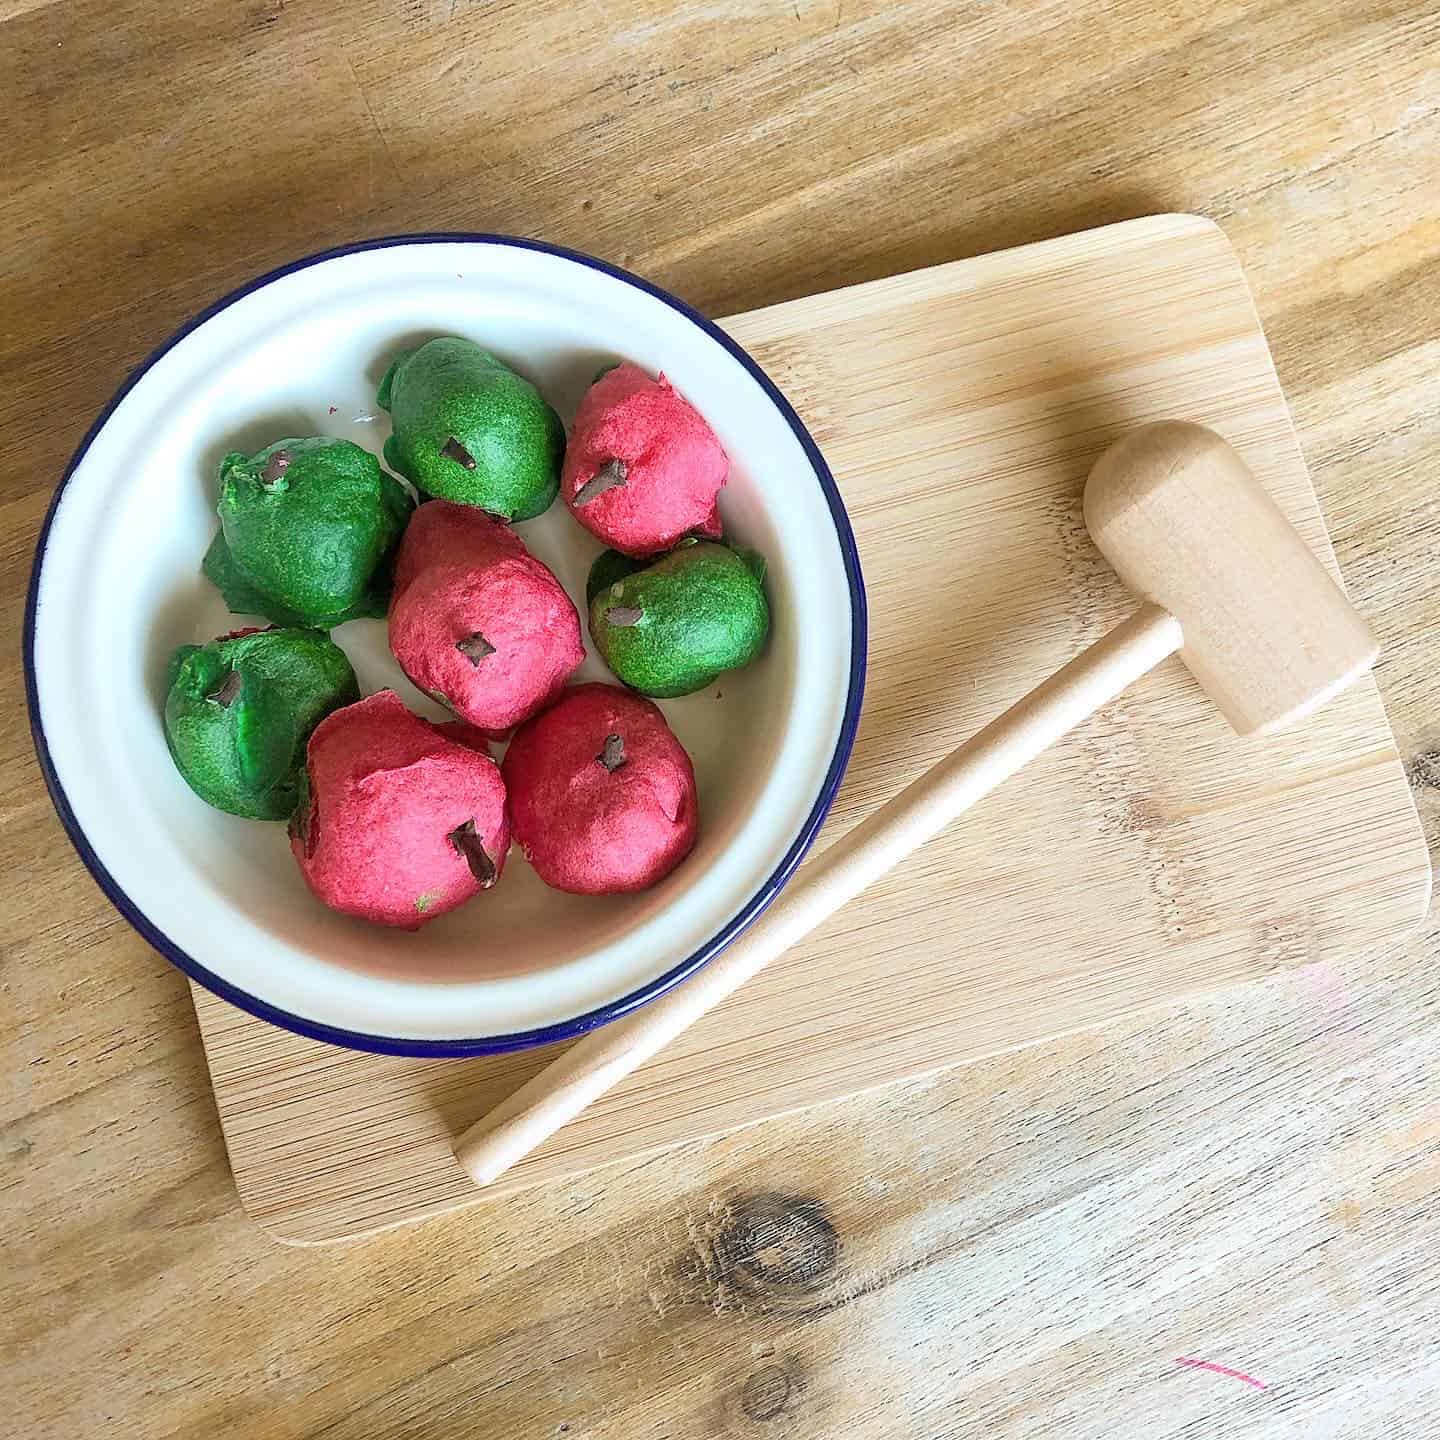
x: 1225, y: 581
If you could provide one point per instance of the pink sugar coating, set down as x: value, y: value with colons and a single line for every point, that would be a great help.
x: 590, y: 830
x: 461, y: 573
x: 387, y: 791
x: 675, y: 464
x: 439, y: 530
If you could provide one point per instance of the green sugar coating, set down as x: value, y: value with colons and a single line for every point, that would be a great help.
x: 608, y: 567
x: 671, y: 627
x: 240, y: 711
x: 467, y: 428
x: 307, y: 531
x: 612, y: 565
x: 243, y: 598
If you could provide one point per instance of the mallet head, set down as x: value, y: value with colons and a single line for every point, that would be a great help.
x: 1268, y: 634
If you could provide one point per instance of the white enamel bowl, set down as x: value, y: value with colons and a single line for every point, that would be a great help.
x: 117, y: 587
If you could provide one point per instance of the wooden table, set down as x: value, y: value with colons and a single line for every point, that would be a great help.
x: 1021, y: 1248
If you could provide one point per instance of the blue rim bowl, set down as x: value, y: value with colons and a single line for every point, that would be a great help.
x: 579, y: 1025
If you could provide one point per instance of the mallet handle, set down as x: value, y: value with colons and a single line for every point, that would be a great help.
x: 591, y: 1066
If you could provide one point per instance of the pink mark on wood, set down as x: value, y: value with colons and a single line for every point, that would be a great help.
x: 1220, y: 1370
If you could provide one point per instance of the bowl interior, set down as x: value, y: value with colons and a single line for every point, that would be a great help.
x: 120, y: 588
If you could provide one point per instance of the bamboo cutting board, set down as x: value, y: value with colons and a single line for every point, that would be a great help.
x: 1151, y: 854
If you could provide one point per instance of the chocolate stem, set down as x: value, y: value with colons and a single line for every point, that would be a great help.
x: 475, y: 648
x: 230, y: 686
x: 612, y: 757
x: 468, y: 842
x: 452, y: 449
x: 610, y: 475
x: 275, y: 467
x: 623, y: 616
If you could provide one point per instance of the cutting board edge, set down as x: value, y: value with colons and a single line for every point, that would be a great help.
x: 313, y: 1235
x: 861, y: 297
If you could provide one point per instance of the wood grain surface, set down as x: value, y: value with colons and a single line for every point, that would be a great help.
x: 963, y: 406
x: 1023, y: 1248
